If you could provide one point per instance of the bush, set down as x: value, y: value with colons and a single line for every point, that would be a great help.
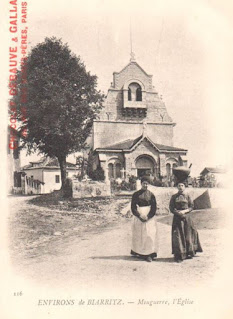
x: 132, y: 182
x: 158, y: 183
x: 114, y: 185
x: 124, y: 185
x: 97, y: 175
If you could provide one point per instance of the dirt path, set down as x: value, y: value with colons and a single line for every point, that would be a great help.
x: 100, y: 258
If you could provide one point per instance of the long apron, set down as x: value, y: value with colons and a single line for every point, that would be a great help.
x: 144, y: 234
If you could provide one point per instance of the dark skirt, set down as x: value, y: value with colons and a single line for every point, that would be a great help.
x: 185, y: 238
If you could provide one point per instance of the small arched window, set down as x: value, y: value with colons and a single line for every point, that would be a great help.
x: 139, y: 94
x: 134, y: 92
x: 129, y: 95
x: 168, y: 169
x: 118, y: 170
x: 110, y: 171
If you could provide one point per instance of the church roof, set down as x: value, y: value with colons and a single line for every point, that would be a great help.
x: 169, y: 148
x: 124, y: 145
x: 135, y: 63
x: 129, y: 144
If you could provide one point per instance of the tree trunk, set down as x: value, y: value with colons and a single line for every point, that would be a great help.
x: 62, y: 162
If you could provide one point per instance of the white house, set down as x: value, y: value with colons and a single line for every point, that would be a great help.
x: 213, y: 177
x: 44, y: 176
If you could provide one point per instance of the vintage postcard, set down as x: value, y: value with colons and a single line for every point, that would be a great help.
x: 116, y: 159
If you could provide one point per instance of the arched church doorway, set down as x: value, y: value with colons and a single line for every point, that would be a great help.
x: 145, y: 165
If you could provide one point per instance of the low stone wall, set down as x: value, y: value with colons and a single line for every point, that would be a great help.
x: 203, y: 198
x: 90, y: 189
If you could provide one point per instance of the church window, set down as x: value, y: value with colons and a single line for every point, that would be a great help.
x: 110, y: 171
x: 134, y: 92
x: 139, y: 94
x: 129, y: 95
x: 118, y: 170
x: 168, y: 169
x: 174, y: 166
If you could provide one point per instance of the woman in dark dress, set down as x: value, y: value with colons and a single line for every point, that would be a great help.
x: 185, y: 239
x: 144, y: 228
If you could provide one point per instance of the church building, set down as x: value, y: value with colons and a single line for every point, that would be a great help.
x: 134, y: 132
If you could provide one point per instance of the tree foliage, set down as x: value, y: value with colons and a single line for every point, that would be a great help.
x: 62, y: 101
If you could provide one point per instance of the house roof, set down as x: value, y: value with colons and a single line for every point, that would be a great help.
x: 129, y: 144
x: 215, y: 170
x: 47, y: 162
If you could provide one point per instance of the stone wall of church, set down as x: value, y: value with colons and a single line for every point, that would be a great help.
x: 108, y: 133
x: 113, y: 108
x: 109, y: 111
x: 115, y: 157
x: 132, y: 71
x: 117, y: 98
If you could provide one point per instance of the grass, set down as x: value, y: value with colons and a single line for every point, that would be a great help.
x: 49, y: 218
x: 56, y: 201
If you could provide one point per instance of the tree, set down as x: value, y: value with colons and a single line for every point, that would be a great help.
x: 61, y: 101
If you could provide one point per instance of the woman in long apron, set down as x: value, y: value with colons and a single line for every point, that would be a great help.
x: 185, y: 238
x: 144, y: 228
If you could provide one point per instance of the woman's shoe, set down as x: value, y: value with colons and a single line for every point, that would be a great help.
x: 178, y: 260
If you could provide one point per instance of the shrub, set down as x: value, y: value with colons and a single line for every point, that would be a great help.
x: 125, y: 186
x: 98, y: 174
x: 158, y: 183
x: 132, y: 182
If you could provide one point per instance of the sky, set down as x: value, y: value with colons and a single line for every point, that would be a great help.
x: 185, y: 45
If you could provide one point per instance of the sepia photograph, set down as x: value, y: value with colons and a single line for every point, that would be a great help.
x: 116, y: 147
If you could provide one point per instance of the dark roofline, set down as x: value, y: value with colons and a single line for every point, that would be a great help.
x: 45, y: 167
x: 159, y: 147
x: 215, y: 170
